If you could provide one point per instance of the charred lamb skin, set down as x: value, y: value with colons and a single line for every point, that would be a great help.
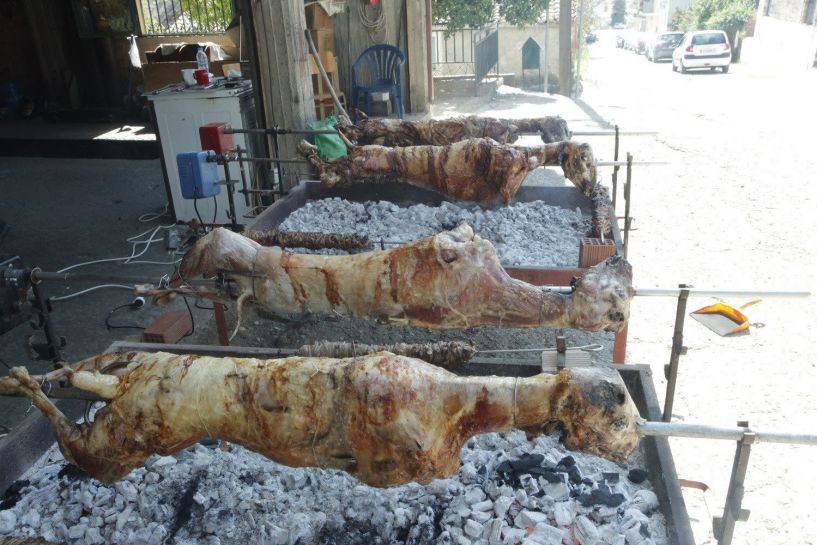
x: 385, y: 419
x: 477, y: 170
x: 440, y: 132
x: 452, y: 280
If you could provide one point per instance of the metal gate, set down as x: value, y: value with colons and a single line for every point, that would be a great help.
x: 465, y: 53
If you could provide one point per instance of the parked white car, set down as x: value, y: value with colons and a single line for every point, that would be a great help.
x: 703, y: 49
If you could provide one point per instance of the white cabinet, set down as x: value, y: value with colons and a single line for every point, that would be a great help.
x: 178, y: 116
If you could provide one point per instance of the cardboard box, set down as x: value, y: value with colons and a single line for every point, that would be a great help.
x: 161, y: 74
x: 324, y: 40
x: 316, y: 17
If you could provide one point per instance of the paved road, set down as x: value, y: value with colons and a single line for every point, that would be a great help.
x: 733, y: 209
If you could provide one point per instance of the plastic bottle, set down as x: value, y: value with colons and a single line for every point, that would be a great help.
x: 201, y: 60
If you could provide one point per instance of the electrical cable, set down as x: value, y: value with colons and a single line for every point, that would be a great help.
x: 137, y: 303
x: 83, y: 292
x: 129, y: 258
x: 151, y: 216
x: 7, y: 366
x: 198, y: 215
x: 192, y: 319
x: 215, y: 209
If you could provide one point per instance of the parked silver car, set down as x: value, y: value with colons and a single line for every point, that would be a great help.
x: 661, y: 46
x: 703, y: 49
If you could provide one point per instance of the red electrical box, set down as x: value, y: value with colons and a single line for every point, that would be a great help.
x: 212, y: 137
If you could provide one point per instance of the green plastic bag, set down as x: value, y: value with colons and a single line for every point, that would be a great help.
x: 330, y: 146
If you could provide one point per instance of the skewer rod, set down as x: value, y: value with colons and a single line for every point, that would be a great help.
x: 275, y: 130
x: 694, y: 292
x: 675, y: 292
x: 624, y: 163
x: 701, y: 431
x: 611, y: 133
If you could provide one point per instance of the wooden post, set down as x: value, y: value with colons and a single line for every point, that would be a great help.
x: 417, y: 55
x: 286, y: 81
x: 565, y: 54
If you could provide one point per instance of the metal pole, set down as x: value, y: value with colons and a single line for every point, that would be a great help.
x: 565, y: 48
x: 678, y: 349
x: 54, y: 342
x: 627, y: 186
x: 276, y: 130
x: 547, y: 25
x: 244, y: 186
x: 325, y: 77
x: 611, y: 133
x: 579, y: 41
x: 695, y: 292
x: 279, y: 166
x: 615, y: 168
x: 703, y: 431
x: 221, y: 324
x: 230, y: 201
x: 724, y: 527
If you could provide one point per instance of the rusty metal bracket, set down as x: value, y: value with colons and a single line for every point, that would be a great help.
x: 723, y: 527
x: 678, y: 350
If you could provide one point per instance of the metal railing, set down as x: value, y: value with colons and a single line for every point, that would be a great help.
x: 452, y: 53
x: 178, y: 17
x: 486, y: 54
x: 466, y: 52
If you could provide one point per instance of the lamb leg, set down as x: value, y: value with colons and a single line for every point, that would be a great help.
x: 385, y: 419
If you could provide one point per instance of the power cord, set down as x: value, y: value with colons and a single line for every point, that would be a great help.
x: 192, y: 320
x: 136, y: 304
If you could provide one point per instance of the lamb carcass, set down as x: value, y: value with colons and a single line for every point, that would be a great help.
x: 439, y: 132
x: 452, y: 280
x: 478, y: 169
x: 385, y: 419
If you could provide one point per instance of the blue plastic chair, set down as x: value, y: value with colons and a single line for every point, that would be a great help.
x: 377, y: 70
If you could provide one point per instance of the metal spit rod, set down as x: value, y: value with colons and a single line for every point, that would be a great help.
x: 702, y: 431
x: 612, y: 133
x: 625, y: 163
x: 277, y: 131
x: 675, y: 292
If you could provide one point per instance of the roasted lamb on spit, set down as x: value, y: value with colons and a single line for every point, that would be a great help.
x: 452, y: 280
x: 478, y: 169
x: 385, y: 419
x: 440, y: 132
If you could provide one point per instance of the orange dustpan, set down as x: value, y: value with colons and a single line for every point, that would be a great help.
x: 724, y: 319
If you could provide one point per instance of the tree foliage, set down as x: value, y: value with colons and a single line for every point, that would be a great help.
x: 455, y: 14
x: 716, y: 14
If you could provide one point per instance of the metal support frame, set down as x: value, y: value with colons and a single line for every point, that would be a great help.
x: 616, y: 167
x: 221, y: 324
x: 678, y: 349
x: 627, y: 192
x: 723, y: 527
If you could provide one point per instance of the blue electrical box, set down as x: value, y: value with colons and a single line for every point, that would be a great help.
x: 197, y: 176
